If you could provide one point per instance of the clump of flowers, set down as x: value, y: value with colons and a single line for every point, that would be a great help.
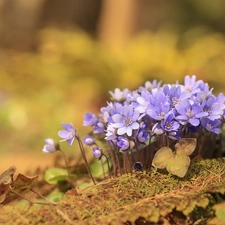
x: 135, y: 124
x: 181, y: 119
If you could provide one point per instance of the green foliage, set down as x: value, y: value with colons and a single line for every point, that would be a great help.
x: 176, y: 162
x: 219, y: 218
x: 220, y: 211
x: 150, y: 197
x: 54, y: 175
x: 55, y: 196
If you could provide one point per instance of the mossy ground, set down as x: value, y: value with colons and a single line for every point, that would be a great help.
x: 152, y: 197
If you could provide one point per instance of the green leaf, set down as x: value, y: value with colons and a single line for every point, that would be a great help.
x: 161, y: 157
x: 186, y: 145
x: 220, y: 211
x: 178, y: 165
x: 54, y: 175
x: 55, y: 196
x: 96, y: 167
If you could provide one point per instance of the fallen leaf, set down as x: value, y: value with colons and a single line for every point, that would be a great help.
x: 21, y: 184
x: 187, y: 145
x: 161, y: 157
x: 7, y: 176
x: 4, y: 189
x: 177, y: 162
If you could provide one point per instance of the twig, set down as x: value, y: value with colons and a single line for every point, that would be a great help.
x: 64, y: 216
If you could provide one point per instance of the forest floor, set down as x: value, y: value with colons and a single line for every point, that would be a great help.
x: 141, y: 198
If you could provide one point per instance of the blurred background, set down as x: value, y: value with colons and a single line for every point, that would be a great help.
x: 59, y: 59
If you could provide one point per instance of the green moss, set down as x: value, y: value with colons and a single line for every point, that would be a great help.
x: 147, y: 197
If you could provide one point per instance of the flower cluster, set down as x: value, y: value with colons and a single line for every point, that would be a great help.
x: 138, y: 123
x: 151, y: 110
x: 134, y: 119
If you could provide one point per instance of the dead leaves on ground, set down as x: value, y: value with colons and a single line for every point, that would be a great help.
x: 11, y: 189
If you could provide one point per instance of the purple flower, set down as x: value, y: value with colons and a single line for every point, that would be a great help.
x: 221, y: 98
x: 138, y: 166
x: 189, y: 113
x: 110, y: 133
x: 157, y: 129
x: 123, y: 143
x: 90, y: 119
x: 174, y: 94
x: 212, y: 126
x: 68, y: 134
x: 213, y: 108
x: 50, y: 146
x: 99, y: 128
x: 119, y: 95
x: 142, y: 102
x: 169, y: 126
x: 89, y: 140
x: 154, y: 85
x: 191, y: 85
x: 126, y: 120
x: 97, y: 152
x: 142, y: 136
x: 159, y: 107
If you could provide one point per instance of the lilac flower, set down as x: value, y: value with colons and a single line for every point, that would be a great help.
x: 169, y: 126
x: 154, y: 85
x: 204, y: 87
x: 90, y: 119
x: 221, y: 98
x: 189, y: 113
x: 110, y: 133
x: 142, y: 136
x: 119, y: 95
x: 191, y: 85
x: 111, y: 109
x: 211, y: 126
x: 213, y: 108
x: 126, y: 120
x: 123, y: 143
x: 159, y: 107
x: 143, y: 125
x: 50, y: 146
x: 174, y: 94
x: 131, y: 96
x: 99, y: 128
x: 89, y: 140
x: 142, y: 102
x: 97, y: 152
x: 68, y: 134
x: 157, y: 129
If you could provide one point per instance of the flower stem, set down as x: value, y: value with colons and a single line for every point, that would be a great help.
x: 112, y: 158
x: 84, y: 157
x: 68, y: 169
x: 66, y: 162
x: 107, y: 164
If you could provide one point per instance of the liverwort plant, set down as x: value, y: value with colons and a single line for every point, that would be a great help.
x: 137, y: 124
x: 164, y: 126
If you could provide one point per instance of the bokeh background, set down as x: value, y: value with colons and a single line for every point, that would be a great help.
x: 59, y: 59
